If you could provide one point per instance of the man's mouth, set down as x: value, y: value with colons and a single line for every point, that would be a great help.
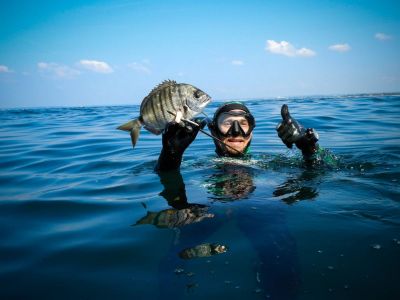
x: 235, y: 141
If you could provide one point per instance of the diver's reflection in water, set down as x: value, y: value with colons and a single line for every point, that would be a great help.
x: 298, y: 188
x: 276, y: 272
x: 231, y: 182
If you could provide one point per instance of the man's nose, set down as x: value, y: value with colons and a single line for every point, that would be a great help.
x: 236, y: 128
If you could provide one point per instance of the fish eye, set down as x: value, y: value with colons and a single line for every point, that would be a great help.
x: 197, y: 93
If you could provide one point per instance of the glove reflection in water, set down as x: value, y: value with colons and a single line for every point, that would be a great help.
x: 297, y: 188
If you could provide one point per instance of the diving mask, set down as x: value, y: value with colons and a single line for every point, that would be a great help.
x: 235, y: 123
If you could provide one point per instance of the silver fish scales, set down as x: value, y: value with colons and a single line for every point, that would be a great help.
x: 181, y: 99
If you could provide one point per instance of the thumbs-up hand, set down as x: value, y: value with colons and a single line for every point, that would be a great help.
x: 292, y: 132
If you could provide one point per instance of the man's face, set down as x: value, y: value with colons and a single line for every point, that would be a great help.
x: 235, y: 138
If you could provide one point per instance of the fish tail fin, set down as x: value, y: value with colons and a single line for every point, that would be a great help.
x: 128, y: 126
x: 133, y: 127
x: 135, y: 135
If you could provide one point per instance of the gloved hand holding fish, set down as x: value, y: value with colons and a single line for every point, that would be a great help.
x: 178, y: 136
x: 168, y: 102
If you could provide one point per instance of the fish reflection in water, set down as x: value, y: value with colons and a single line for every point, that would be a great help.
x: 182, y: 213
x: 203, y: 250
x: 172, y: 218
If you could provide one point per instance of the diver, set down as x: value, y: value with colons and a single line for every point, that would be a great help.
x: 232, y: 126
x: 277, y: 268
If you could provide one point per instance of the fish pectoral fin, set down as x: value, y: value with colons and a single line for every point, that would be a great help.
x: 178, y: 116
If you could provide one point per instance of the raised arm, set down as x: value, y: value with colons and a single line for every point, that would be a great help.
x: 175, y: 139
x: 292, y: 132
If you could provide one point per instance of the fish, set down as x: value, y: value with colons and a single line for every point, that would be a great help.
x: 203, y: 250
x: 173, y: 218
x: 164, y: 104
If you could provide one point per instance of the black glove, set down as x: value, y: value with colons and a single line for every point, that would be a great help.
x: 178, y: 136
x: 175, y: 139
x: 291, y: 132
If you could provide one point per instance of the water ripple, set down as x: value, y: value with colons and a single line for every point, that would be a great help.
x: 72, y: 187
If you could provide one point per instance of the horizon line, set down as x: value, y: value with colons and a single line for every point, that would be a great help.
x: 216, y: 101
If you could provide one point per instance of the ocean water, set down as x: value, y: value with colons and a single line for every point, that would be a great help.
x: 84, y: 216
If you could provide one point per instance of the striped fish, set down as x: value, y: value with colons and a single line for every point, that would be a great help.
x: 203, y: 250
x: 164, y: 102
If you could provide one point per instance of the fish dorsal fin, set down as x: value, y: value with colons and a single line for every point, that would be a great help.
x: 163, y: 84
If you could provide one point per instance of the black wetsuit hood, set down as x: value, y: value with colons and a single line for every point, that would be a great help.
x: 220, y: 149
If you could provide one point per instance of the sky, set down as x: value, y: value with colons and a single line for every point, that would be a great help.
x: 96, y: 52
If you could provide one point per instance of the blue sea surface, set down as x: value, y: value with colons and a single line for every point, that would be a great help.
x: 84, y: 216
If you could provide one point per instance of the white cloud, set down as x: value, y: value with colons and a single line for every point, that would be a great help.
x: 57, y: 70
x: 237, y: 62
x: 96, y: 66
x: 285, y: 48
x: 305, y: 52
x: 141, y: 67
x: 340, y: 47
x: 4, y: 69
x: 382, y: 36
